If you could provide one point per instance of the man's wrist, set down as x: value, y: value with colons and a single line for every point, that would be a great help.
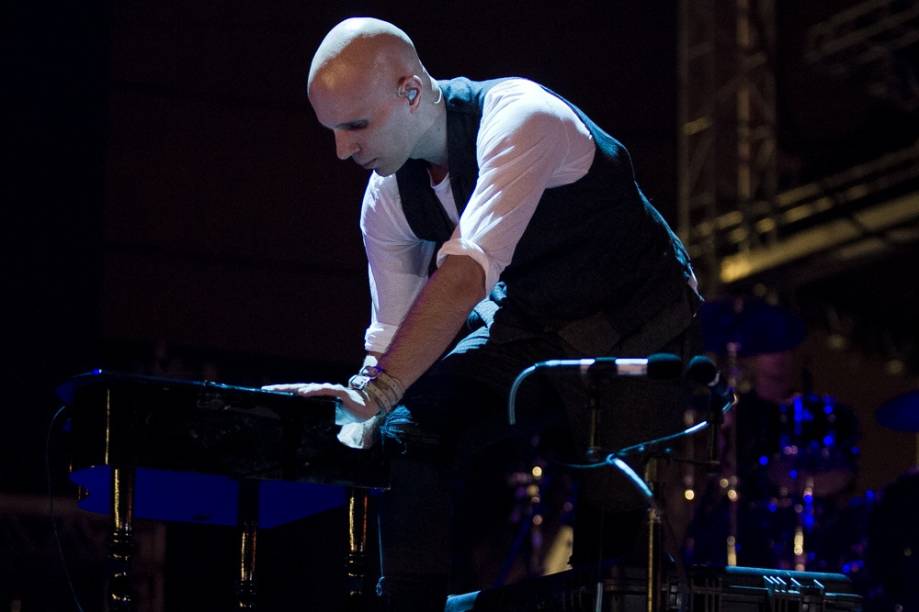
x: 378, y: 386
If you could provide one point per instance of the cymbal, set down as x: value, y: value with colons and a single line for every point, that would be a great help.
x: 901, y: 413
x: 756, y: 326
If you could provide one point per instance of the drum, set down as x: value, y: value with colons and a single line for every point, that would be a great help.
x: 816, y: 452
x: 796, y: 463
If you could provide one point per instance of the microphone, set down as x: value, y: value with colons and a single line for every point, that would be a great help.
x: 659, y: 366
x: 703, y: 371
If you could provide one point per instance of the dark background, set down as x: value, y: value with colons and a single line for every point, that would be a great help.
x: 172, y: 206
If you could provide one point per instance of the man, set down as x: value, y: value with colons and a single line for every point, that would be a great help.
x: 543, y: 246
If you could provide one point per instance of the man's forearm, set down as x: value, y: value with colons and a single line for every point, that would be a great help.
x: 435, y: 318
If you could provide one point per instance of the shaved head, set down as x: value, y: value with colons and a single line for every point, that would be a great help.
x: 362, y: 48
x: 368, y: 86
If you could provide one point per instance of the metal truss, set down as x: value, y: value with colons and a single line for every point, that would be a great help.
x: 875, y: 40
x: 736, y: 225
x: 727, y: 144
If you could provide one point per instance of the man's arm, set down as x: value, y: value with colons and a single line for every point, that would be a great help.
x: 435, y: 318
x: 429, y: 327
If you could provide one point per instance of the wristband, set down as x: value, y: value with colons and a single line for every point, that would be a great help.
x: 378, y: 386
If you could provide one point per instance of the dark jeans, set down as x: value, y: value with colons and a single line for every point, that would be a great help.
x: 459, y: 407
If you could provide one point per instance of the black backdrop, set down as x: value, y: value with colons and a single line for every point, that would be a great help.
x: 173, y: 207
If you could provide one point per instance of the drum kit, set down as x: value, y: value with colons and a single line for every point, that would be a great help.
x: 785, y: 496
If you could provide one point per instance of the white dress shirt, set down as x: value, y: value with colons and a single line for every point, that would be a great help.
x: 528, y: 141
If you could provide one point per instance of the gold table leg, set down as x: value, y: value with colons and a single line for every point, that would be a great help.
x: 248, y: 536
x: 121, y: 545
x: 356, y: 564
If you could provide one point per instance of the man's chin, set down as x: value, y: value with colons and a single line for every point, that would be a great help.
x: 385, y: 170
x: 388, y: 169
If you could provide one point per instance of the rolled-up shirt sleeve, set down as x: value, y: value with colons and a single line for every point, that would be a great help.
x: 397, y: 261
x: 528, y: 141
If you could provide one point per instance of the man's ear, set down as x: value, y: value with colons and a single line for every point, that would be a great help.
x: 410, y: 88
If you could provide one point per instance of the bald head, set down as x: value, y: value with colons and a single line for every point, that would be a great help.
x: 362, y: 50
x: 368, y: 86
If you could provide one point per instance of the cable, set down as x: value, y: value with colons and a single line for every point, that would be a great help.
x: 512, y: 399
x: 57, y: 535
x: 634, y: 478
x: 689, y: 431
x: 644, y: 446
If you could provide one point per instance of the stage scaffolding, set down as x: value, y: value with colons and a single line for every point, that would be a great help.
x: 739, y: 226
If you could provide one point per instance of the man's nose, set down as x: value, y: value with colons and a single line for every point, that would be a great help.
x: 344, y: 146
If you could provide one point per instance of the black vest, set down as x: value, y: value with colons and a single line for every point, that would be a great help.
x: 595, y: 246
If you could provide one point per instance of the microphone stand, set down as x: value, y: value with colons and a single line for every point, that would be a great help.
x: 727, y: 460
x: 651, y: 487
x: 655, y: 537
x: 593, y: 452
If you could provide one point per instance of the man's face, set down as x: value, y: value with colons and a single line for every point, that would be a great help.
x: 370, y: 121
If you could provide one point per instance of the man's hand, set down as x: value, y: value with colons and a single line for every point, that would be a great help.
x: 429, y: 327
x: 352, y: 401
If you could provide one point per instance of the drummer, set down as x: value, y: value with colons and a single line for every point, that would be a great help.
x: 791, y: 448
x: 772, y: 378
